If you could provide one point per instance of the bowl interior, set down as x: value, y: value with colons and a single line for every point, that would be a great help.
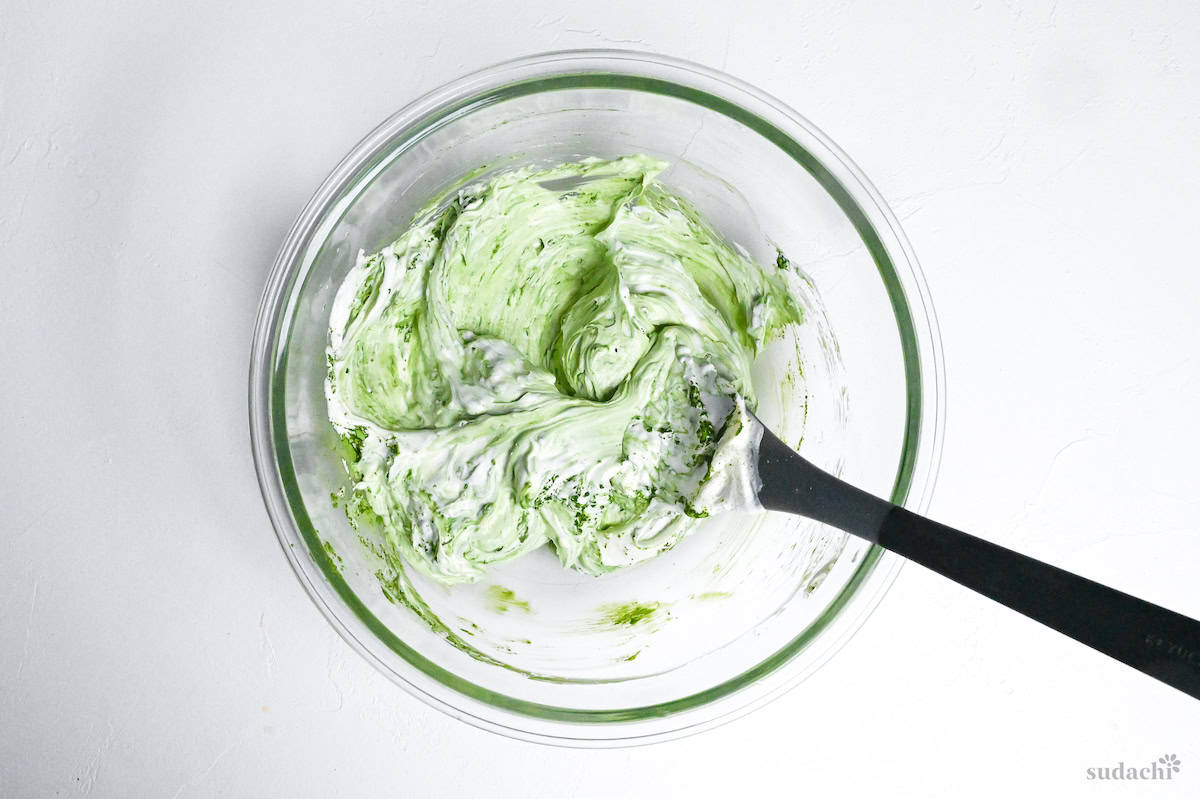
x: 746, y: 594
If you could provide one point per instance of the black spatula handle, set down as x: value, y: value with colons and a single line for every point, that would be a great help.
x: 1152, y: 639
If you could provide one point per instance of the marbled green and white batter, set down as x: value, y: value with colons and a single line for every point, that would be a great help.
x: 555, y: 356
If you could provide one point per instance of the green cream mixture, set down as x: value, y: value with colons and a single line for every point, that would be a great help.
x: 554, y: 356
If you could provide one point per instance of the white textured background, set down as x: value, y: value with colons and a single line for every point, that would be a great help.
x: 153, y: 641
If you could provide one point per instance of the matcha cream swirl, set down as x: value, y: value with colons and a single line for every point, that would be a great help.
x: 555, y: 356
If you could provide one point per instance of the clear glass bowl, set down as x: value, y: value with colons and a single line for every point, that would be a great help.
x: 748, y: 605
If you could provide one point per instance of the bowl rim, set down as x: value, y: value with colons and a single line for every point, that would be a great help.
x: 610, y: 69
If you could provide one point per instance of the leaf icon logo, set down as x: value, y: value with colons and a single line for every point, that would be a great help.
x: 1170, y: 761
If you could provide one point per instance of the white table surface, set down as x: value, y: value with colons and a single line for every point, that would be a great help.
x: 154, y: 642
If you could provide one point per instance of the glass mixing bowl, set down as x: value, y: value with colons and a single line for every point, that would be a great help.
x: 749, y: 604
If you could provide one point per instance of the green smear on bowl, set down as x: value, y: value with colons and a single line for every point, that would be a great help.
x: 630, y: 613
x: 504, y: 600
